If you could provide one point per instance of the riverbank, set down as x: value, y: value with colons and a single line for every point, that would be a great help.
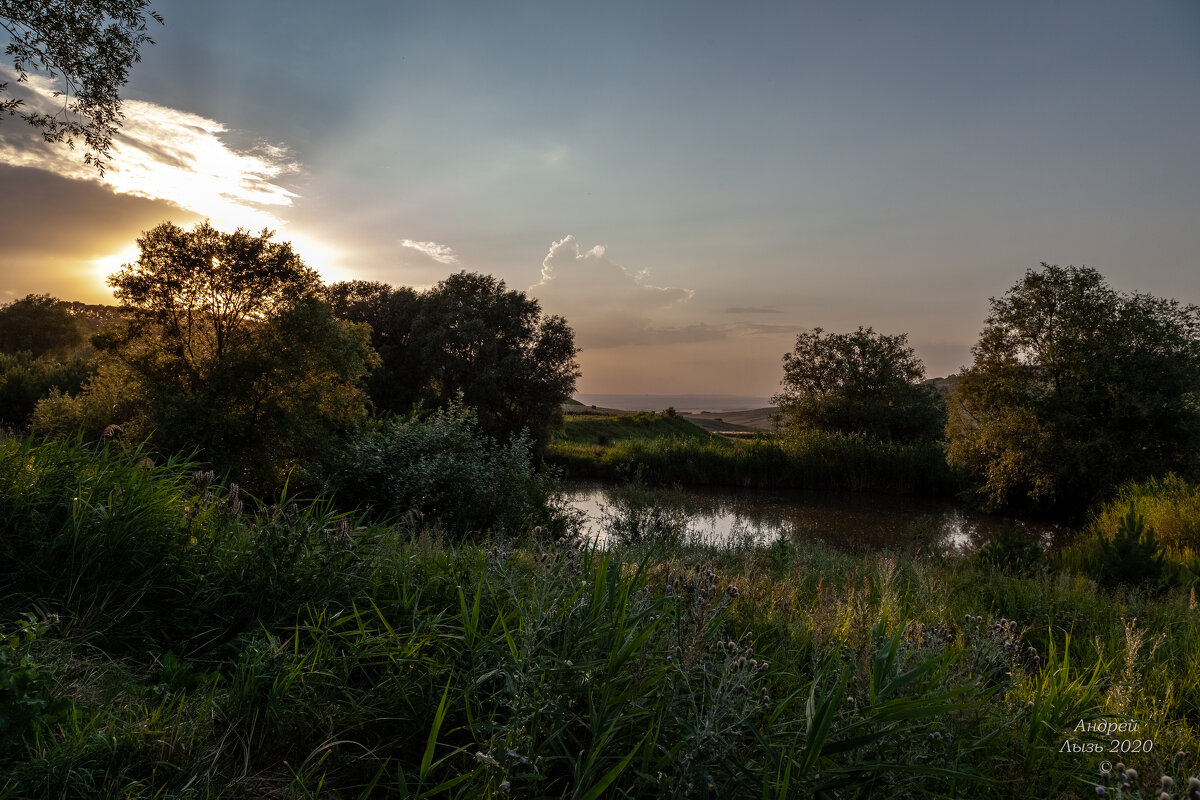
x: 664, y: 448
x: 162, y: 640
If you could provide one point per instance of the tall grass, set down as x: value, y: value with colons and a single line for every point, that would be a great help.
x: 812, y: 460
x: 302, y: 654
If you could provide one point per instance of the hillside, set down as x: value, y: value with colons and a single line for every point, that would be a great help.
x: 606, y: 426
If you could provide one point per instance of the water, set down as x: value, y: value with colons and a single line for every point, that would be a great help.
x: 847, y: 520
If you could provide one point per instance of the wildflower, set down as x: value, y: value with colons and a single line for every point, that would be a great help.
x: 1165, y: 796
x: 505, y: 786
x: 1194, y: 784
x: 1131, y: 775
x: 1167, y: 782
x: 1100, y: 791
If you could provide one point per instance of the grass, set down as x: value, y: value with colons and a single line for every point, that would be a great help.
x: 663, y: 449
x: 301, y: 654
x: 586, y: 428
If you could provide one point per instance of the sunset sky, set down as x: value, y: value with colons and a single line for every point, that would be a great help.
x: 688, y: 183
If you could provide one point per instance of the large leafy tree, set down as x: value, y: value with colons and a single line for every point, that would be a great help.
x: 862, y: 382
x: 38, y: 324
x: 90, y: 45
x: 1075, y: 388
x: 469, y: 337
x: 230, y: 350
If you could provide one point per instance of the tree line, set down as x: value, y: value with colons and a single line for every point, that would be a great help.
x: 227, y: 344
x: 1075, y: 389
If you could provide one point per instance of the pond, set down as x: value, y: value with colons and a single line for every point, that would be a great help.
x: 848, y: 520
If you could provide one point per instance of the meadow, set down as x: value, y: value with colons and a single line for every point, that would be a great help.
x: 169, y: 636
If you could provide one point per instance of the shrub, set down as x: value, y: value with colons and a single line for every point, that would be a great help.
x: 637, y: 514
x: 444, y: 469
x: 1132, y: 557
x: 1010, y: 550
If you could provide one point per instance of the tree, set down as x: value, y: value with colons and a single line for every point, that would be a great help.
x: 862, y: 382
x: 229, y: 349
x: 1076, y: 388
x: 91, y: 45
x: 38, y: 324
x: 469, y: 337
x: 396, y: 384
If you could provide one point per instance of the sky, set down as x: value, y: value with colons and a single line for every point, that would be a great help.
x: 690, y: 184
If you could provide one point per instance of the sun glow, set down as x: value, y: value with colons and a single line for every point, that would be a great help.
x: 103, y: 266
x: 188, y: 161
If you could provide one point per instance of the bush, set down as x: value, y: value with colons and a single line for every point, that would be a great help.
x: 1132, y: 557
x: 444, y: 469
x: 24, y: 380
x: 1009, y: 550
x: 637, y: 514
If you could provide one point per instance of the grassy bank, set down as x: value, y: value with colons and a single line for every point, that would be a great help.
x: 665, y: 449
x: 165, y: 638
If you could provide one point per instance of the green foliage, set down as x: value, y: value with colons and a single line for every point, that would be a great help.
x: 27, y: 701
x: 108, y: 402
x: 91, y: 44
x: 1131, y: 557
x: 1075, y: 389
x: 1010, y: 550
x: 40, y: 325
x: 637, y: 514
x: 801, y: 459
x: 1170, y: 505
x: 444, y: 469
x: 605, y: 429
x: 858, y: 383
x: 469, y: 337
x: 228, y: 351
x: 24, y: 380
x: 287, y: 650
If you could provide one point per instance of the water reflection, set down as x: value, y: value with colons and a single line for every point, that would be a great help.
x: 847, y: 520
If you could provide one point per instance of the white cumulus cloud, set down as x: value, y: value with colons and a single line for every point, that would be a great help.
x: 167, y: 154
x: 441, y: 253
x: 609, y: 305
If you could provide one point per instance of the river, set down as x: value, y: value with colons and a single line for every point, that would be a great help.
x: 848, y: 520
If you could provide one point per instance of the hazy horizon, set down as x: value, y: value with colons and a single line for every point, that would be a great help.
x: 689, y: 184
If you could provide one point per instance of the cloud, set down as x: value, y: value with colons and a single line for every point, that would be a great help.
x: 441, y: 253
x: 609, y: 305
x: 753, y: 310
x: 164, y: 153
